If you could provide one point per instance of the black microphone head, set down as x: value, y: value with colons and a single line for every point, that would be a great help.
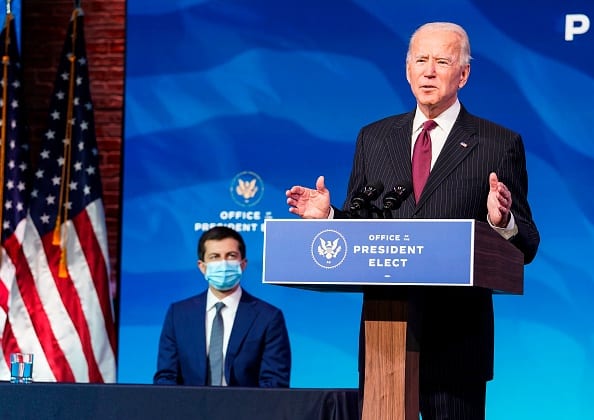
x: 403, y: 189
x: 366, y: 195
x: 373, y: 191
x: 396, y: 196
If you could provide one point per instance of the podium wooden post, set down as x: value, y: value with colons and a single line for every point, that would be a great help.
x: 391, y: 384
x: 390, y: 322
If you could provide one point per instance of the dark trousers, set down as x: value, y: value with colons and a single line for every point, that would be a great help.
x: 453, y: 402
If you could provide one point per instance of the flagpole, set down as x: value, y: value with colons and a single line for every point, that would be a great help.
x: 5, y: 87
x: 59, y: 233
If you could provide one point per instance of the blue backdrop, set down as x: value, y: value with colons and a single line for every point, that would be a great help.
x: 15, y: 9
x: 229, y: 103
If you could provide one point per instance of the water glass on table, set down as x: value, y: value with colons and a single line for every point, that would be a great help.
x: 21, y: 368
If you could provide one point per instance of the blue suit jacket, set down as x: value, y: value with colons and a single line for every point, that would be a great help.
x: 258, y: 353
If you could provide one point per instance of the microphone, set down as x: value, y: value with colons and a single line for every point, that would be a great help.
x: 362, y: 199
x: 396, y: 196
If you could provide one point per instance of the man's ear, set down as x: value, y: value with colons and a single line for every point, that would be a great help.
x: 464, y: 76
x: 201, y: 266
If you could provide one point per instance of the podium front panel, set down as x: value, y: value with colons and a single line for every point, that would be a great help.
x: 368, y: 252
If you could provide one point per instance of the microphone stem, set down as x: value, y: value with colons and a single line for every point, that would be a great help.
x: 376, y: 212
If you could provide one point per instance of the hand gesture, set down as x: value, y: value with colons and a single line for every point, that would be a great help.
x: 309, y: 203
x: 499, y: 202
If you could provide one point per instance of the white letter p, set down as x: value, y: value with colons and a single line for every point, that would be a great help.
x: 576, y: 25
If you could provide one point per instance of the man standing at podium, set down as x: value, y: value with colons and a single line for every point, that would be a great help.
x: 455, y: 166
x: 223, y: 336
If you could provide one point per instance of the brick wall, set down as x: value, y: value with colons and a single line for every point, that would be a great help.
x: 44, y: 24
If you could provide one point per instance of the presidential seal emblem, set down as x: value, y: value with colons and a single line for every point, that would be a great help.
x: 329, y: 249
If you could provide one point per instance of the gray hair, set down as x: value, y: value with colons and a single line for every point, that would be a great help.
x: 446, y: 26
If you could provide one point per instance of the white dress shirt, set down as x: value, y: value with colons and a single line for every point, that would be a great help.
x: 445, y: 121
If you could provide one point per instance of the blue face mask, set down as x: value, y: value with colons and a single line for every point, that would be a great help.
x: 223, y: 275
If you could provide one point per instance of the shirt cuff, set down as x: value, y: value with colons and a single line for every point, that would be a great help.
x: 507, y: 232
x: 331, y: 214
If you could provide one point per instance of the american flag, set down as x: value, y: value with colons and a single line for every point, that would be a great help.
x: 61, y: 311
x: 14, y: 172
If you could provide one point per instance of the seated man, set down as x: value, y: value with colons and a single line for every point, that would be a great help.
x: 243, y: 343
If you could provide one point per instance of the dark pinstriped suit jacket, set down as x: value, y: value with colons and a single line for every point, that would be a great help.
x: 457, y: 324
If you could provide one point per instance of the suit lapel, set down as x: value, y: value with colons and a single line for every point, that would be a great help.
x: 244, y: 318
x: 198, y: 324
x: 398, y: 147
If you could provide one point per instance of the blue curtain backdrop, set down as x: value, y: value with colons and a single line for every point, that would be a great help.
x: 274, y: 93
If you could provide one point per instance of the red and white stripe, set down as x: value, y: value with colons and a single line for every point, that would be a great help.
x: 67, y: 323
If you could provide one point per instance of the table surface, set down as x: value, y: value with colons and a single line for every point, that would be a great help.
x: 65, y: 401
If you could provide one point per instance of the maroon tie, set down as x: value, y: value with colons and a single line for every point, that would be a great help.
x: 421, y: 159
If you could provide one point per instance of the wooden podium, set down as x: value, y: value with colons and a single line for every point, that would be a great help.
x: 391, y: 377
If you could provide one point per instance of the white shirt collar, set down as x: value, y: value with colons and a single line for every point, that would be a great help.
x: 231, y: 302
x: 445, y: 120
